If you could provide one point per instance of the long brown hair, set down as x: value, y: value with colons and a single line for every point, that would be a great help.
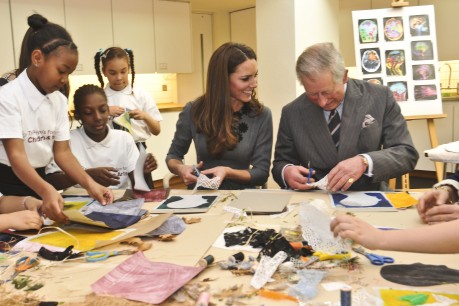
x: 212, y: 112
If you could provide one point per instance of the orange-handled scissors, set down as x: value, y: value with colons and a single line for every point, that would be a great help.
x: 23, y: 264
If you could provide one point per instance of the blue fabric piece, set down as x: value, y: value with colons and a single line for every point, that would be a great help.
x: 114, y: 221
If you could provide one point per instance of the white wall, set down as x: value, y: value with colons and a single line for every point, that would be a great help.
x: 284, y: 29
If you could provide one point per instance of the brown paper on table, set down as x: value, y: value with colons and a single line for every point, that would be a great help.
x: 142, y: 227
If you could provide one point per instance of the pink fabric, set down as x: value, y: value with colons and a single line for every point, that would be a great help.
x: 139, y: 279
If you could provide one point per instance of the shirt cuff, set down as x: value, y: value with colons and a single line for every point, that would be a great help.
x: 283, y: 179
x: 449, y: 182
x: 369, y: 171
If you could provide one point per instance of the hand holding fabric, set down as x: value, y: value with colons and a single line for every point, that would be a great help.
x: 345, y: 173
x: 296, y: 177
x: 350, y: 227
x: 53, y: 205
x: 150, y: 164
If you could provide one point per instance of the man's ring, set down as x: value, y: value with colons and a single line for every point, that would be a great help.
x: 350, y: 181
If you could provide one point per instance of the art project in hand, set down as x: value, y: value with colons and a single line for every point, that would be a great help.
x: 124, y: 120
x: 141, y: 280
x: 139, y: 178
x: 361, y: 201
x: 186, y: 204
x: 113, y: 216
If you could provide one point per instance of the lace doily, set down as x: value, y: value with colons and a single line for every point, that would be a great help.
x: 315, y: 225
x: 208, y: 183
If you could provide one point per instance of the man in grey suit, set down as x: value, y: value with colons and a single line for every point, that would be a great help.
x: 370, y: 142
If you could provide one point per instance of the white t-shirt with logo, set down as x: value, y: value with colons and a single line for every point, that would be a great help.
x: 139, y: 99
x: 117, y: 150
x: 38, y: 119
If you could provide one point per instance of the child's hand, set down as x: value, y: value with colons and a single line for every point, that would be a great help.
x: 53, y: 205
x: 150, y: 164
x: 32, y: 203
x: 102, y: 194
x: 106, y: 176
x: 137, y: 114
x: 24, y: 220
x: 116, y: 111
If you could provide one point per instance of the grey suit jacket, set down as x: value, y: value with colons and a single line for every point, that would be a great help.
x: 303, y: 136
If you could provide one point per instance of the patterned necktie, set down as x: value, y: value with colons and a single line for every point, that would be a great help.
x: 334, y: 123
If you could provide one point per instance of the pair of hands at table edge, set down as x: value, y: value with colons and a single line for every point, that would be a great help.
x: 439, y: 205
x: 341, y: 177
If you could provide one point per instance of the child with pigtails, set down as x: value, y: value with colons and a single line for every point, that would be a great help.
x: 124, y: 99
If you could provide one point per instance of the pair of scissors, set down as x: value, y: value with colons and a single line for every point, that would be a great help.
x: 377, y: 260
x: 23, y: 264
x: 94, y: 256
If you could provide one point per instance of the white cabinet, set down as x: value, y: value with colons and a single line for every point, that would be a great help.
x: 7, y: 58
x: 173, y: 36
x: 53, y: 10
x: 90, y: 24
x: 133, y: 27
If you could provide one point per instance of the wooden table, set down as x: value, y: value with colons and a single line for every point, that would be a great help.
x: 70, y: 281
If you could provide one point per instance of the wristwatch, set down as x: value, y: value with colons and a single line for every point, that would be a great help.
x: 448, y: 189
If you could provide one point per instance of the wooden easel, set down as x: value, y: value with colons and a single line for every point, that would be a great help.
x: 433, y: 143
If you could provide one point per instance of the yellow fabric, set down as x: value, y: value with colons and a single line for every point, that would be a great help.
x: 87, y: 240
x: 393, y: 296
x: 401, y: 199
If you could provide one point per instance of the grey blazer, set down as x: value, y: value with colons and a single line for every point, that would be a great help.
x: 303, y: 136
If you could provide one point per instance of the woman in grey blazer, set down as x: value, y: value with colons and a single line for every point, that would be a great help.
x: 230, y: 128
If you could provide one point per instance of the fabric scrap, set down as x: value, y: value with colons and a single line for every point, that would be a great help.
x: 420, y: 275
x: 141, y: 280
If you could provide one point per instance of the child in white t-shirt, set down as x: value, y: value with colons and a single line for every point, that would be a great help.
x: 124, y: 99
x: 123, y: 96
x: 34, y: 126
x: 109, y: 156
x: 19, y: 213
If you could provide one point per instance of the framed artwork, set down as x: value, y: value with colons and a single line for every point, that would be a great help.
x: 397, y: 47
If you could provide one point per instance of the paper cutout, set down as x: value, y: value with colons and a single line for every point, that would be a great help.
x: 361, y: 201
x: 125, y: 121
x: 186, y: 204
x: 321, y: 184
x: 141, y: 280
x: 139, y: 177
x: 315, y: 225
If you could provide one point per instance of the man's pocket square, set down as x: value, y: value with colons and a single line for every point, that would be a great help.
x: 369, y: 120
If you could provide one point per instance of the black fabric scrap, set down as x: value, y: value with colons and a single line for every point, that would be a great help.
x: 269, y: 241
x: 419, y: 274
x: 58, y: 256
x: 258, y: 239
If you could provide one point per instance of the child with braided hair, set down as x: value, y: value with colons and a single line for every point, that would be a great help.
x: 33, y: 121
x: 123, y: 97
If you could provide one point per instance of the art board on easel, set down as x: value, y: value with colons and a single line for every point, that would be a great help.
x: 397, y: 47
